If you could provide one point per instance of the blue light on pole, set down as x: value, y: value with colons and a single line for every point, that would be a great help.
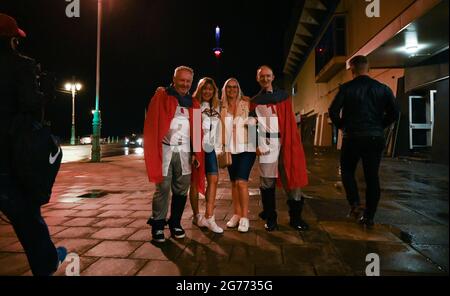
x: 217, y: 50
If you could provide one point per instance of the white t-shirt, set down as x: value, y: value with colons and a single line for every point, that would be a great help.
x: 211, y: 126
x: 178, y: 139
x: 269, y: 146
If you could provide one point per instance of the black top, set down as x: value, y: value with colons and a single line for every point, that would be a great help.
x: 368, y: 107
x: 19, y: 99
x: 19, y: 90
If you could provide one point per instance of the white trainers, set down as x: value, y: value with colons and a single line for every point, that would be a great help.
x: 244, y: 224
x: 234, y: 222
x: 211, y: 224
x: 198, y: 220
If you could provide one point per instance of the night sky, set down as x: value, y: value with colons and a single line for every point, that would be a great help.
x: 142, y: 42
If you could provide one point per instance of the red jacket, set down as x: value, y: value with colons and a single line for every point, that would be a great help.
x: 160, y: 113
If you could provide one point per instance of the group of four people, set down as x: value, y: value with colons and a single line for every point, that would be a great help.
x: 184, y: 135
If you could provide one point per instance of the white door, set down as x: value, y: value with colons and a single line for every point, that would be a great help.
x: 421, y: 120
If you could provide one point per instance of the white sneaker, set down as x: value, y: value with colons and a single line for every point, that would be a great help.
x: 234, y: 222
x: 211, y: 224
x: 244, y: 224
x: 198, y: 220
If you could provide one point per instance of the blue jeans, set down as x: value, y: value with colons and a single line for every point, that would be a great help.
x: 211, y: 167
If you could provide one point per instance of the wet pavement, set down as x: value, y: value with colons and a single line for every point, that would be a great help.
x: 99, y: 211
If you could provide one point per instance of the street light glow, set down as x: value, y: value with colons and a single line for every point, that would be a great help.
x: 73, y: 86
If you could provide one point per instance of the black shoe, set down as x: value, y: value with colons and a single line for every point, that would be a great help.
x: 355, y: 212
x: 158, y: 236
x: 295, y: 214
x: 299, y: 224
x: 177, y: 232
x: 367, y: 222
x: 157, y: 230
x: 271, y: 225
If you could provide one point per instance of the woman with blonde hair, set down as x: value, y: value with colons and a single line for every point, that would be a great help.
x: 236, y: 120
x: 207, y: 94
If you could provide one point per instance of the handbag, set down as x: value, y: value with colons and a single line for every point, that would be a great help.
x: 224, y: 158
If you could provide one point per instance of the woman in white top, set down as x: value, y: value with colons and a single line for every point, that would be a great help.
x: 207, y: 94
x: 234, y: 113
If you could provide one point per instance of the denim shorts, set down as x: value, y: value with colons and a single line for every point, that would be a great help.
x: 241, y: 165
x: 211, y: 167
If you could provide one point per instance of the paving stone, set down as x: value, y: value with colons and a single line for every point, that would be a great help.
x: 76, y: 232
x: 140, y: 235
x: 89, y: 206
x: 393, y: 256
x: 114, y: 267
x: 78, y: 245
x: 353, y: 231
x: 225, y: 269
x: 113, y: 222
x: 120, y: 249
x: 119, y: 233
x: 169, y: 250
x: 13, y: 264
x: 59, y: 213
x: 257, y: 255
x: 206, y: 252
x: 299, y: 269
x: 81, y: 222
x: 117, y: 213
x: 139, y: 223
x: 6, y: 241
x: 114, y: 207
x: 168, y: 268
x: 7, y: 231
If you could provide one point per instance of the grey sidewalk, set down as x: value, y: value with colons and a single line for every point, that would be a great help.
x: 99, y: 211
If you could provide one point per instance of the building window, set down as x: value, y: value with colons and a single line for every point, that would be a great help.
x: 332, y: 44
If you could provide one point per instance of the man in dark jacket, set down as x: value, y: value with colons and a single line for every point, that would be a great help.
x: 19, y: 94
x: 368, y: 107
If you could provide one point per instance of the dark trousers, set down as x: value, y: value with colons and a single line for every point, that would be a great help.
x: 30, y: 228
x: 369, y: 150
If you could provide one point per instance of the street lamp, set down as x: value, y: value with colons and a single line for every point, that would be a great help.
x: 73, y: 87
x: 96, y: 121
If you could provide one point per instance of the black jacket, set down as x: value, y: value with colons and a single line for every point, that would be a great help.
x: 368, y: 107
x: 19, y: 93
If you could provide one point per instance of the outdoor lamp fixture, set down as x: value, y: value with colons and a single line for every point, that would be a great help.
x: 411, y: 42
x: 73, y: 87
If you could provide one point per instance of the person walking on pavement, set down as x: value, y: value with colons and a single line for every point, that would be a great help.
x: 19, y: 94
x: 172, y: 137
x: 280, y: 151
x: 235, y: 116
x: 208, y: 94
x: 368, y: 107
